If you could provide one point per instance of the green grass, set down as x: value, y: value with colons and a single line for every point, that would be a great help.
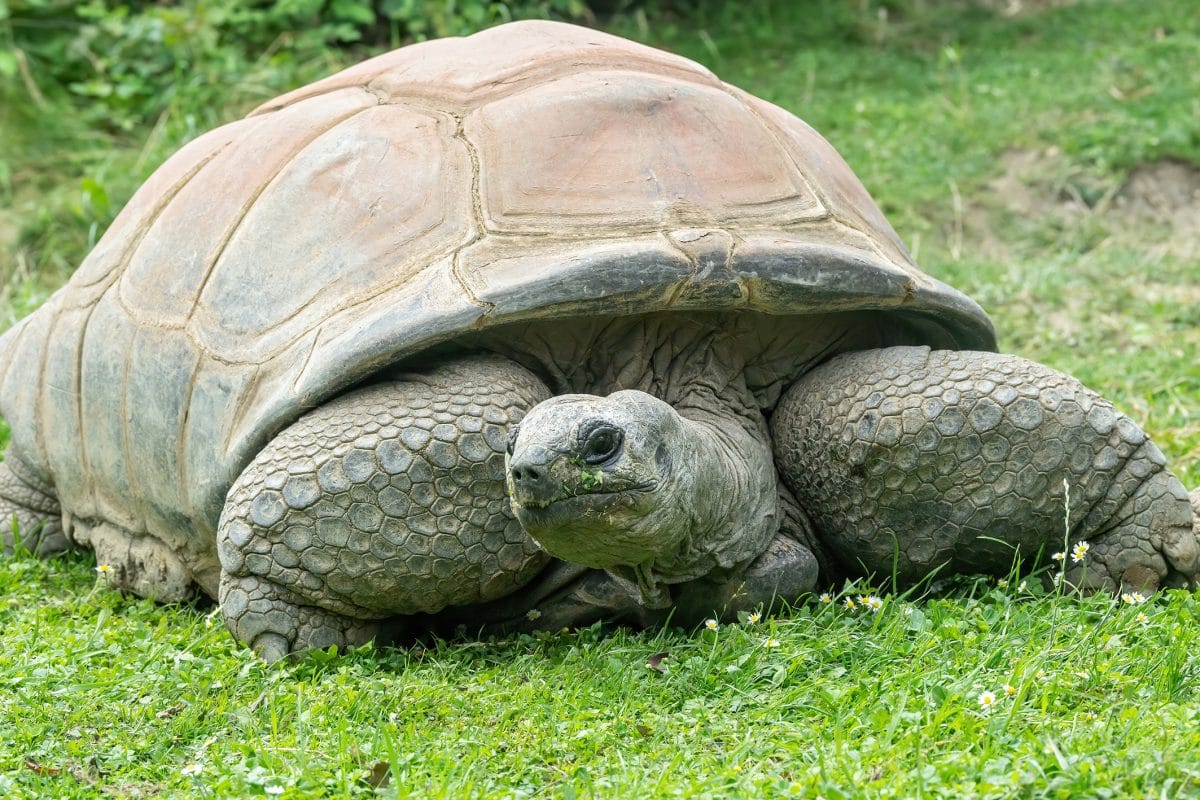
x: 103, y: 694
x: 997, y: 146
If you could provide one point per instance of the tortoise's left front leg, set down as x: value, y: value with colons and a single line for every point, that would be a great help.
x: 909, y: 460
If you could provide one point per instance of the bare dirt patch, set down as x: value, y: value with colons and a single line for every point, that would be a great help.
x: 1155, y: 208
x: 1164, y: 197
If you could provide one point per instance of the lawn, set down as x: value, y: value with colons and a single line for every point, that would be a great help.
x: 1042, y: 156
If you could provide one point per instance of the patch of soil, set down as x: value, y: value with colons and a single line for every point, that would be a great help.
x: 1164, y: 195
x: 1156, y: 208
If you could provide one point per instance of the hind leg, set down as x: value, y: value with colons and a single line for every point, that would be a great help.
x: 387, y: 501
x: 910, y: 460
x: 29, y: 512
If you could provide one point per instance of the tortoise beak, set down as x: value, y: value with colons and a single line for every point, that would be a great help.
x: 530, y: 478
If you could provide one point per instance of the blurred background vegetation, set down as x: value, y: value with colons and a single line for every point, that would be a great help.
x: 1041, y: 155
x: 94, y: 95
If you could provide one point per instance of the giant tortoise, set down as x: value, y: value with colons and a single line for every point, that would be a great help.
x: 533, y: 328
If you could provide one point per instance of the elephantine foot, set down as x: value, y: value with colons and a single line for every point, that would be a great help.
x: 909, y: 460
x: 387, y: 501
x: 275, y: 623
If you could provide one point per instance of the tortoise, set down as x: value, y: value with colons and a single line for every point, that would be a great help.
x: 534, y: 328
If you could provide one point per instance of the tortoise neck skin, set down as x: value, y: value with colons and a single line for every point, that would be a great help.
x: 715, y: 502
x: 655, y: 493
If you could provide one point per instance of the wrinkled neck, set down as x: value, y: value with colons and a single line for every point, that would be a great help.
x: 722, y: 494
x: 721, y: 504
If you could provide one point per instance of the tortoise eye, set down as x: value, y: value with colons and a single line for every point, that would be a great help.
x: 600, y: 443
x: 513, y: 433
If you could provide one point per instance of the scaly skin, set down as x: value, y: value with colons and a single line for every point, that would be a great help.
x: 389, y: 500
x: 571, y: 595
x: 31, y: 507
x: 909, y: 459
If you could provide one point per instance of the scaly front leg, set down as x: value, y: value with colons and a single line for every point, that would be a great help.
x: 387, y: 501
x: 909, y: 460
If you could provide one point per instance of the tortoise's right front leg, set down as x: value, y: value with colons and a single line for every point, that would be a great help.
x: 389, y: 500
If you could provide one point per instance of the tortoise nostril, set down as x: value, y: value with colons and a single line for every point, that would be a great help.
x: 526, y: 474
x: 533, y: 485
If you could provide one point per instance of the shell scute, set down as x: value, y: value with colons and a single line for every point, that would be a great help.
x: 104, y: 363
x: 360, y: 209
x: 59, y: 403
x: 831, y: 177
x: 21, y: 379
x: 111, y: 254
x: 461, y: 73
x: 624, y: 150
x: 516, y: 276
x: 157, y: 387
x: 175, y: 257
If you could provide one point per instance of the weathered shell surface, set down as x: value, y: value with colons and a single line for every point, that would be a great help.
x: 536, y: 170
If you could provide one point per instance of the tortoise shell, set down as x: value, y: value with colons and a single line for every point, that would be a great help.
x: 536, y: 170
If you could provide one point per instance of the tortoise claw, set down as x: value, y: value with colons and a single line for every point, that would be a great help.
x: 270, y: 647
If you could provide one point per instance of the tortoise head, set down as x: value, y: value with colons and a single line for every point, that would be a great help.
x: 592, y: 479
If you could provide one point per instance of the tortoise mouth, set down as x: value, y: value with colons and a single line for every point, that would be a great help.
x: 596, y: 529
x: 537, y: 514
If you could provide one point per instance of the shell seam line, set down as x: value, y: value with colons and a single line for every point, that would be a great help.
x: 85, y: 459
x: 235, y: 417
x: 381, y: 98
x: 312, y: 348
x: 677, y: 290
x: 39, y: 390
x: 743, y: 284
x: 135, y: 487
x: 263, y: 111
x: 773, y: 131
x: 155, y: 212
x: 455, y: 270
x: 236, y: 223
